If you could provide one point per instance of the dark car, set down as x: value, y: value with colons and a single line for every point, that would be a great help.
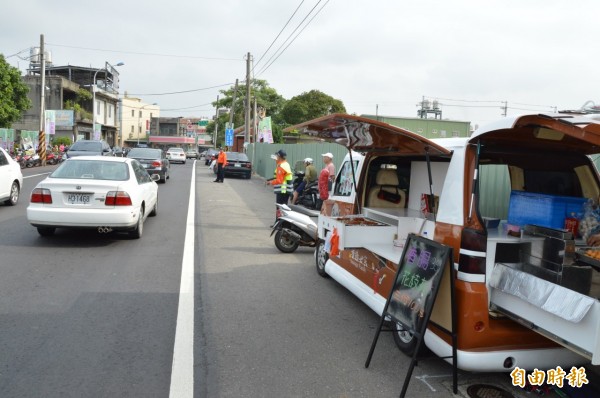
x: 237, y: 164
x: 208, y: 156
x: 89, y: 148
x: 118, y: 151
x: 153, y: 160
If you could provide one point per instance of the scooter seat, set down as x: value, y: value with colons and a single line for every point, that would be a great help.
x: 304, y: 210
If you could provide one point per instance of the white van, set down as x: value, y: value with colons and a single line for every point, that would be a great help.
x: 517, y: 272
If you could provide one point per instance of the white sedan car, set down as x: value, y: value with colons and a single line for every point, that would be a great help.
x: 11, y: 179
x: 103, y: 193
x: 176, y: 154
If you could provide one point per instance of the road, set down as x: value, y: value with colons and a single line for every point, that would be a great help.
x: 90, y: 315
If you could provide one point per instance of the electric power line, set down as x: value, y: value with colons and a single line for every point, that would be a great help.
x: 277, y: 37
x: 142, y: 53
x: 276, y: 55
x: 470, y: 106
x: 188, y: 107
x: 525, y: 109
x: 183, y: 92
x: 458, y: 100
x: 17, y: 54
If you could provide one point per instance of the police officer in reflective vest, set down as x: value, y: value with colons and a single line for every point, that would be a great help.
x: 282, y: 179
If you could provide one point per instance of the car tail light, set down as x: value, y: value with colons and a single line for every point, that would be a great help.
x: 41, y: 195
x: 248, y: 165
x: 117, y: 198
x: 156, y: 164
x: 471, y: 262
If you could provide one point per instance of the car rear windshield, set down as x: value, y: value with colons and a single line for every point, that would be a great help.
x: 92, y: 169
x: 87, y: 146
x: 175, y: 150
x: 144, y: 153
x: 237, y: 156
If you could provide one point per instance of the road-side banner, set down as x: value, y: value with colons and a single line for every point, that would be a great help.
x: 265, y: 134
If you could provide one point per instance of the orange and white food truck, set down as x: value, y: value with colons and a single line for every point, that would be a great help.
x: 523, y: 288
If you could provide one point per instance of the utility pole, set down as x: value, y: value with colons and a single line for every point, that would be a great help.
x: 504, y: 108
x: 216, y: 122
x: 233, y: 104
x: 42, y: 136
x: 255, y: 134
x: 247, y: 103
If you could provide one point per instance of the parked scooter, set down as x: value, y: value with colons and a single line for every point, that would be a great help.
x: 52, y: 158
x: 294, y: 228
x: 309, y: 197
x: 33, y: 161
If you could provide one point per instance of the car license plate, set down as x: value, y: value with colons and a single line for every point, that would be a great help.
x: 237, y: 165
x: 78, y: 198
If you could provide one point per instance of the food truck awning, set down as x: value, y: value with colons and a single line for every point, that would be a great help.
x: 542, y: 132
x: 366, y: 135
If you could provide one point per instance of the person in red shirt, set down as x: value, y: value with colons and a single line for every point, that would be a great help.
x: 221, y: 160
x: 324, y: 184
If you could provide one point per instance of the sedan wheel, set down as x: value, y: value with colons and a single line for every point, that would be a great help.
x: 14, y: 194
x: 154, y: 211
x: 139, y: 228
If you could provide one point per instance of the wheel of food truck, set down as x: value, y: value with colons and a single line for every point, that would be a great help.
x: 284, y: 243
x: 404, y: 339
x: 321, y: 258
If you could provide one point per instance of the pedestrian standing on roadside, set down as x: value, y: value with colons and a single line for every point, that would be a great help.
x: 328, y: 160
x: 282, y: 179
x: 221, y: 160
x: 323, y: 185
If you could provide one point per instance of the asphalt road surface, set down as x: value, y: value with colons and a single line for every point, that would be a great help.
x: 203, y: 306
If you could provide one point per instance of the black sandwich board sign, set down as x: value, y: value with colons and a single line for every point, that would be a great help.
x: 413, y: 294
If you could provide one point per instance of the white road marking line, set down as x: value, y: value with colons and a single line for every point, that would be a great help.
x: 182, y: 370
x: 424, y: 378
x: 36, y: 175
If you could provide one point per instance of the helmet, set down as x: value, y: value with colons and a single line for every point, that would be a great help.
x: 308, y: 160
x: 281, y: 153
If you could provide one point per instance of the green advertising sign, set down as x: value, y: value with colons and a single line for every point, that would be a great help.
x: 7, y: 138
x: 29, y: 140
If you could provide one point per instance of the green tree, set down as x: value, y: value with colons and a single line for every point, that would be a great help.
x: 61, y: 140
x: 266, y: 98
x: 13, y: 94
x: 310, y: 105
x: 82, y: 96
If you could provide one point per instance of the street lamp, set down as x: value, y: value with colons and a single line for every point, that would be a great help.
x: 94, y: 96
x: 139, y: 121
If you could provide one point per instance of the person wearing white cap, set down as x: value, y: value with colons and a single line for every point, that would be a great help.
x: 328, y: 160
x: 326, y: 176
